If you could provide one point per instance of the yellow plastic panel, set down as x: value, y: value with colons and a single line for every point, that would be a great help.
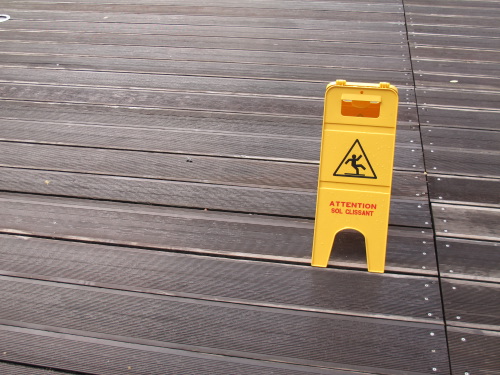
x: 356, y: 163
x: 364, y: 211
x: 357, y: 158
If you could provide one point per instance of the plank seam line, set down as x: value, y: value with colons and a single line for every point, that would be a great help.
x: 50, y: 370
x: 218, y: 299
x: 289, y: 261
x: 433, y: 227
x: 394, y: 56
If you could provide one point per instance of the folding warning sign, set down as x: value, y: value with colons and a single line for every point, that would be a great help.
x: 355, y: 173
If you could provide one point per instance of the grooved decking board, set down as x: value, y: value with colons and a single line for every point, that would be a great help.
x: 469, y: 190
x: 356, y: 5
x: 188, y: 20
x: 455, y: 41
x: 466, y: 259
x: 340, y: 34
x: 488, y: 10
x: 417, y: 31
x: 227, y: 329
x: 451, y: 81
x: 438, y: 19
x: 459, y: 117
x: 479, y: 223
x: 456, y: 68
x: 159, y: 119
x: 177, y: 83
x: 237, y: 235
x: 465, y: 152
x: 351, y: 60
x: 187, y: 100
x: 459, y: 98
x: 445, y: 4
x: 240, y: 11
x: 405, y: 212
x: 461, y: 139
x: 471, y: 303
x: 181, y: 135
x: 190, y: 276
x: 451, y: 53
x: 463, y: 162
x: 474, y: 351
x: 17, y: 369
x: 215, y: 42
x: 109, y: 357
x: 204, y: 68
x: 179, y: 167
x: 40, y: 113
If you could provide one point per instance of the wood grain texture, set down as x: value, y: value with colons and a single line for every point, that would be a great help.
x: 468, y: 259
x: 471, y: 304
x: 227, y: 329
x: 410, y: 250
x: 477, y: 191
x: 466, y: 221
x: 109, y: 357
x: 474, y: 350
x: 214, y: 279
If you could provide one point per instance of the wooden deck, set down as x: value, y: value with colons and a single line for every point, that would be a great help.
x: 158, y: 170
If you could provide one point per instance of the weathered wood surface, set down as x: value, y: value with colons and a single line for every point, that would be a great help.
x: 410, y: 250
x: 227, y: 329
x: 455, y: 54
x: 158, y: 166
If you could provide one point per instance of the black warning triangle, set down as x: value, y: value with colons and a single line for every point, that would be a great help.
x: 355, y: 163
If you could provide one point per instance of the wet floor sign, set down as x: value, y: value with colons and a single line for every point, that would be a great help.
x: 355, y: 172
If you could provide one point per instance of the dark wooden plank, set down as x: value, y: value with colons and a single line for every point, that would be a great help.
x: 227, y: 329
x: 462, y: 151
x: 456, y: 41
x: 404, y: 211
x: 487, y: 10
x: 471, y: 304
x: 459, y: 117
x: 172, y: 137
x: 340, y: 34
x: 408, y: 298
x: 203, y: 10
x: 172, y: 166
x: 472, y: 140
x: 207, y: 42
x: 84, y: 355
x: 459, y: 97
x: 457, y: 54
x: 351, y: 60
x: 187, y: 100
x: 179, y: 83
x: 468, y: 190
x: 204, y: 68
x: 356, y: 5
x: 474, y: 351
x: 452, y: 81
x: 446, y: 19
x: 456, y: 68
x: 452, y: 3
x: 63, y: 114
x: 164, y: 99
x: 190, y: 19
x: 7, y: 368
x: 466, y: 259
x: 415, y: 30
x: 479, y: 223
x: 409, y: 250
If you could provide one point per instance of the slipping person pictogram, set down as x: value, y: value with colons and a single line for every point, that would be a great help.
x: 355, y: 165
x: 357, y: 161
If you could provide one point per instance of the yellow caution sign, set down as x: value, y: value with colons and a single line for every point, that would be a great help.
x: 355, y: 171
